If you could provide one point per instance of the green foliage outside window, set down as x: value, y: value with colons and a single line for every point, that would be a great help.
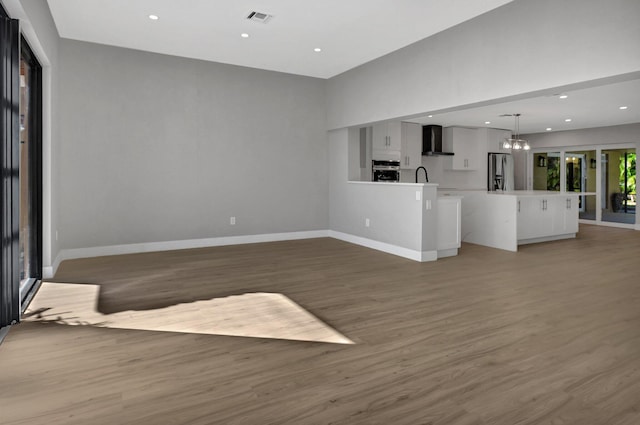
x: 631, y: 173
x: 553, y: 173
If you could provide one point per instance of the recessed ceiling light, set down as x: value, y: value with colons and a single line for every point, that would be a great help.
x: 429, y: 116
x: 154, y: 17
x: 567, y: 120
x: 563, y: 96
x: 244, y: 35
x: 623, y: 107
x: 487, y: 122
x: 317, y: 49
x: 549, y: 128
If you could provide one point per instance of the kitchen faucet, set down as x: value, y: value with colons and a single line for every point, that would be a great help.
x: 426, y: 176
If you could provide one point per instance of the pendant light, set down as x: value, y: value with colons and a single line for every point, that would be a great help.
x: 515, y: 142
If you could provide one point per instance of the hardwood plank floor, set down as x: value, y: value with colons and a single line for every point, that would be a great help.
x: 548, y: 335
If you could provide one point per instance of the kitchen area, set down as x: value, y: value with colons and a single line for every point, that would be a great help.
x: 418, y: 191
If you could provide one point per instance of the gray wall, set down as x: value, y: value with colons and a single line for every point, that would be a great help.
x: 158, y: 148
x: 518, y: 49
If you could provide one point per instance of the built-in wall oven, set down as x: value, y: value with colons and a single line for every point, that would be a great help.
x: 385, y: 171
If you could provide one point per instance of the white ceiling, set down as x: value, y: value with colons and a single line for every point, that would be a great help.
x: 349, y: 32
x: 587, y: 108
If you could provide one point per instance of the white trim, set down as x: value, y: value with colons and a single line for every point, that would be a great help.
x: 421, y: 256
x: 393, y: 183
x: 385, y: 247
x: 47, y: 271
x: 546, y: 239
x: 444, y: 253
x: 4, y: 332
x: 610, y: 224
x: 99, y: 251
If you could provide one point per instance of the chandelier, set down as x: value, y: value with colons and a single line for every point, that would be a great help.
x: 515, y: 142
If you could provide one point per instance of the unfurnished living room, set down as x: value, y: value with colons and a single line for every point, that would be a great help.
x: 294, y: 212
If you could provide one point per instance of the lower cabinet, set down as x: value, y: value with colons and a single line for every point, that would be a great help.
x: 541, y: 217
x: 571, y: 214
x: 449, y: 226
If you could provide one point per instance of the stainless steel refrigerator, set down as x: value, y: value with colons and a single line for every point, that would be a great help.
x: 500, y: 172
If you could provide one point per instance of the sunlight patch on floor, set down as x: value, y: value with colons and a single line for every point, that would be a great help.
x: 257, y: 315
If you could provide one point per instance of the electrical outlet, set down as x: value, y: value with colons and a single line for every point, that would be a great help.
x: 232, y: 221
x: 418, y: 195
x: 367, y: 222
x: 56, y: 235
x: 428, y: 204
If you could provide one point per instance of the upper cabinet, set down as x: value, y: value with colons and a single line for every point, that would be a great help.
x: 387, y: 140
x: 464, y: 143
x: 398, y: 141
x: 411, y: 146
x: 495, y: 139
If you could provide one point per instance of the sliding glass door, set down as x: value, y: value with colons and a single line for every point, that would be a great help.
x: 21, y: 162
x: 581, y: 177
x: 30, y: 256
x: 9, y: 161
x: 605, y: 177
x: 619, y: 195
x: 547, y: 171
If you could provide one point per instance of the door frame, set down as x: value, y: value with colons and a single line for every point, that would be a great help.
x: 9, y: 165
x: 14, y: 294
x: 583, y: 176
x: 28, y: 290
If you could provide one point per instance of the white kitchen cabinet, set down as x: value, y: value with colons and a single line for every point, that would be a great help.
x: 495, y: 140
x: 387, y: 140
x: 547, y: 216
x: 411, y: 146
x: 570, y: 208
x: 463, y: 142
x: 449, y: 226
x: 535, y: 217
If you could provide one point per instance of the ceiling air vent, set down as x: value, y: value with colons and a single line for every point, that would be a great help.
x: 259, y: 17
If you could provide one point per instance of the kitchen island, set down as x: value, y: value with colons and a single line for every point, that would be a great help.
x: 405, y: 219
x: 506, y: 220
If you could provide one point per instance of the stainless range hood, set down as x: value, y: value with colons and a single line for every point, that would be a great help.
x: 432, y: 140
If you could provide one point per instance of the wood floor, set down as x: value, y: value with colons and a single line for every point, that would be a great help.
x: 548, y: 335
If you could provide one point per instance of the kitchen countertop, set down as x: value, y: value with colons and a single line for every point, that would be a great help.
x: 518, y: 192
x: 395, y: 184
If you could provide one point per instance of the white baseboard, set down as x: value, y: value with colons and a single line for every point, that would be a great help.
x: 3, y: 332
x: 385, y: 247
x: 100, y: 251
x: 611, y: 224
x: 546, y: 239
x: 444, y: 253
x: 47, y: 272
